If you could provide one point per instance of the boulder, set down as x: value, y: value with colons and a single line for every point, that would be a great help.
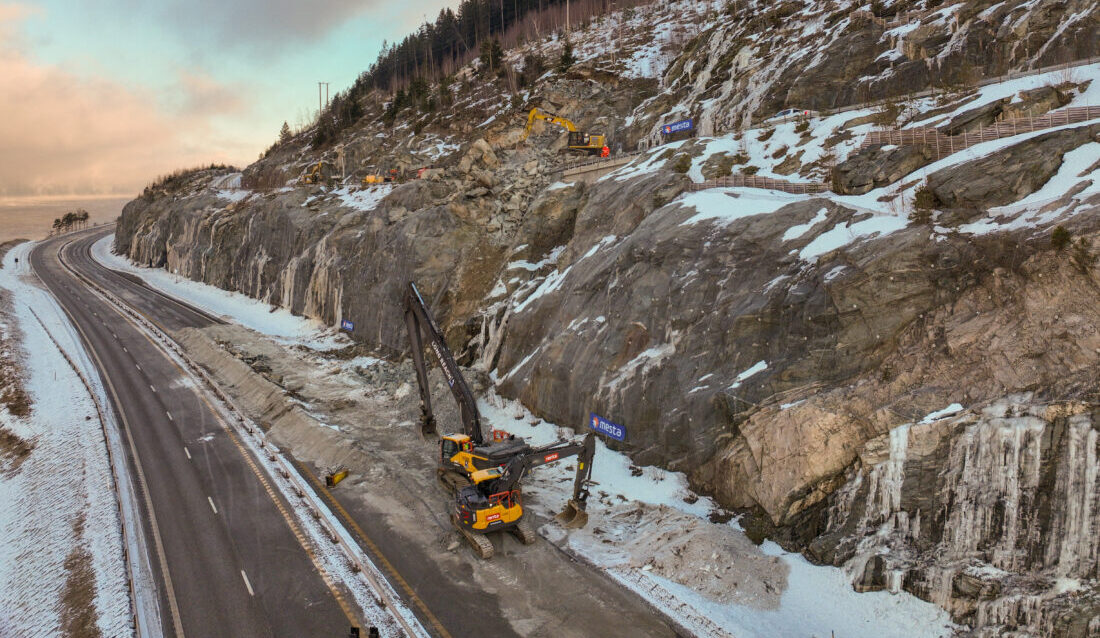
x: 1035, y: 103
x: 479, y: 152
x: 975, y: 118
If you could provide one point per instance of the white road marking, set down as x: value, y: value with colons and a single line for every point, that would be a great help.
x: 114, y: 335
x: 187, y: 452
x: 169, y: 415
x: 247, y: 584
x: 137, y: 366
x: 124, y: 349
x: 212, y: 504
x: 152, y: 388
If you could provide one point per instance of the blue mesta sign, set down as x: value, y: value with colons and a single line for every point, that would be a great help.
x: 346, y: 324
x: 676, y: 127
x: 603, y: 426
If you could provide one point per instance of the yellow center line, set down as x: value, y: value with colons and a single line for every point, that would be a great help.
x: 348, y: 520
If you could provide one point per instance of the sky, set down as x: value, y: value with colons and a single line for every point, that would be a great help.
x: 102, y: 97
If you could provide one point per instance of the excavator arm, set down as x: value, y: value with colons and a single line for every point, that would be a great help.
x: 574, y: 515
x: 419, y: 323
x: 536, y: 114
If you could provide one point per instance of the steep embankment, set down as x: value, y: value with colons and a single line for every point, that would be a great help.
x: 793, y: 353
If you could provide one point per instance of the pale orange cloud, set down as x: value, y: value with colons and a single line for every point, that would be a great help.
x: 61, y: 133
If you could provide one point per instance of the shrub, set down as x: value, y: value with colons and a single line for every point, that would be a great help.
x: 802, y: 126
x: 924, y: 198
x: 1060, y: 238
x: 682, y: 163
x: 725, y: 166
x: 766, y: 134
x: 1083, y: 258
x: 567, y: 59
x: 922, y: 216
x: 750, y: 170
x: 780, y: 152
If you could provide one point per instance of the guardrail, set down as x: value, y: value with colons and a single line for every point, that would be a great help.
x: 383, y: 595
x: 603, y: 160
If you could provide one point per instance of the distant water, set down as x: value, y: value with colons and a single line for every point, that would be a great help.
x: 32, y: 217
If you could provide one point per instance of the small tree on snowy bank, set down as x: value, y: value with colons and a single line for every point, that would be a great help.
x: 567, y: 58
x: 284, y: 133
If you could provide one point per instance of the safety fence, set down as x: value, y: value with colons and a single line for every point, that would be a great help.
x: 752, y: 181
x: 943, y: 145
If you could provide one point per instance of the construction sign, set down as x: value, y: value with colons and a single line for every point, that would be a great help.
x: 603, y: 426
x: 676, y: 127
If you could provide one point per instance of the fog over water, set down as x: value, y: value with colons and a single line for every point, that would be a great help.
x: 32, y: 217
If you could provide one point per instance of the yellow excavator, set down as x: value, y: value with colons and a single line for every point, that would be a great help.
x: 494, y: 502
x: 315, y: 176
x: 484, y: 474
x: 578, y: 141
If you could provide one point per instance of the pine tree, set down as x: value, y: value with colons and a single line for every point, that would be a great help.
x: 285, y: 134
x: 567, y: 58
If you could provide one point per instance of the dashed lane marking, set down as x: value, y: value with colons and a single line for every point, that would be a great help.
x: 247, y: 584
x: 187, y: 452
x: 211, y: 501
x: 169, y: 415
x: 152, y: 388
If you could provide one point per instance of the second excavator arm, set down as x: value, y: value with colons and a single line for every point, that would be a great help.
x: 574, y: 514
x: 419, y: 322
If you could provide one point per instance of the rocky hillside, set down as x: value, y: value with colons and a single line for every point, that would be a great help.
x: 897, y: 376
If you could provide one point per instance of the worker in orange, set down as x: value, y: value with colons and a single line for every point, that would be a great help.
x: 605, y: 151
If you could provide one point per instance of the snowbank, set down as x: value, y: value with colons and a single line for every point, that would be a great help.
x: 59, y: 515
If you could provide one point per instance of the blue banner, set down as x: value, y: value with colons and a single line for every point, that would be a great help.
x: 676, y: 127
x: 603, y: 426
x: 347, y: 325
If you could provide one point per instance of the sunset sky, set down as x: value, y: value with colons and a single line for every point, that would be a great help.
x: 102, y: 97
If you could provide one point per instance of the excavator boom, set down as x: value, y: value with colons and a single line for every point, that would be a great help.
x: 419, y: 323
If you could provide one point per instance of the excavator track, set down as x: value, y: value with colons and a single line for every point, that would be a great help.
x: 481, y: 544
x: 524, y: 532
x: 452, y: 480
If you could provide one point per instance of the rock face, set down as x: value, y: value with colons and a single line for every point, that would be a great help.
x: 946, y: 508
x: 753, y: 62
x: 783, y: 354
x: 1009, y: 175
x: 878, y: 166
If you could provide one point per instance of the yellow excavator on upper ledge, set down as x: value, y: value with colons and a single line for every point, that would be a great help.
x: 578, y: 141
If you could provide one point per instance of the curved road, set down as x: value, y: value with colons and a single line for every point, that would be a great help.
x: 205, y: 552
x: 228, y: 561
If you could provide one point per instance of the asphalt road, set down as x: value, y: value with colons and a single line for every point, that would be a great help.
x: 252, y: 536
x: 227, y: 561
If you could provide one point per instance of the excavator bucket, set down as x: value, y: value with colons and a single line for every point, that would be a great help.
x: 573, y: 516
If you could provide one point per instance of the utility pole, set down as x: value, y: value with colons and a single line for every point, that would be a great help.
x: 322, y: 102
